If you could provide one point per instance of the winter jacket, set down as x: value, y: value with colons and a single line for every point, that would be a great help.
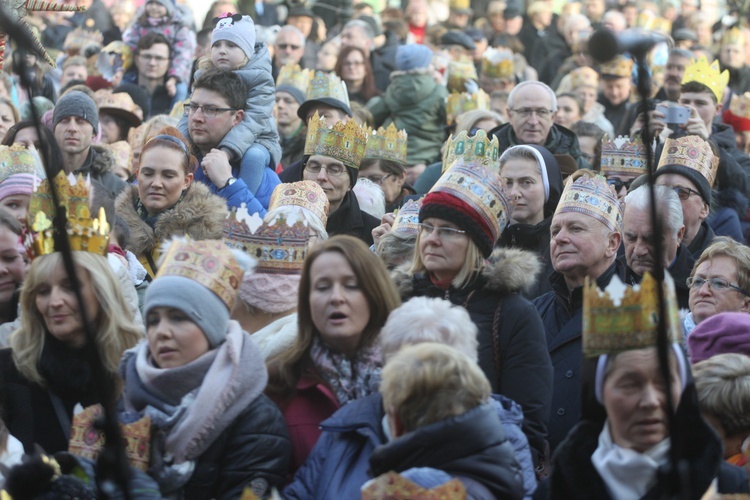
x: 292, y: 149
x: 199, y: 215
x: 739, y: 79
x: 99, y: 165
x: 560, y: 141
x: 383, y: 60
x: 511, y: 335
x: 349, y: 219
x: 416, y: 103
x: 702, y: 240
x: 614, y: 113
x: 535, y: 239
x: 472, y: 444
x: 160, y: 102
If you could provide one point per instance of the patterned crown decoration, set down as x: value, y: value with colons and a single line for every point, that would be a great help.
x: 345, y: 141
x: 497, y: 63
x: 17, y: 159
x: 646, y: 20
x: 738, y: 114
x: 395, y: 486
x: 459, y: 4
x: 733, y: 36
x: 305, y: 194
x: 329, y: 85
x: 623, y: 156
x: 407, y: 218
x: 692, y: 152
x: 387, y: 144
x: 620, y: 67
x: 474, y: 148
x: 292, y: 74
x: 461, y: 102
x: 709, y: 75
x: 584, y: 77
x: 208, y: 262
x: 623, y: 318
x: 80, y: 38
x: 460, y: 71
x: 590, y: 194
x: 85, y: 233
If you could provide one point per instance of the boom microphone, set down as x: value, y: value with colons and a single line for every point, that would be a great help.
x: 604, y: 44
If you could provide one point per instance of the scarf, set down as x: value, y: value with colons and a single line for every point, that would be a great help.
x: 150, y: 218
x: 349, y: 378
x: 67, y: 370
x: 628, y: 474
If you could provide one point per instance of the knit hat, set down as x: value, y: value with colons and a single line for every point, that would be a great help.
x: 168, y: 4
x: 293, y: 91
x: 413, y: 56
x: 720, y: 334
x: 238, y: 29
x: 19, y: 168
x: 76, y: 103
x: 693, y: 158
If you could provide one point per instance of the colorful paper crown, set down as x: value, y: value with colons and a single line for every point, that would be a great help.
x: 387, y: 144
x: 709, y: 75
x: 459, y: 72
x: 345, y: 141
x: 692, y: 152
x: 738, y: 114
x: 583, y: 77
x: 119, y: 104
x: 623, y: 318
x: 407, y: 218
x: 80, y: 38
x: 292, y: 74
x: 622, y: 156
x: 648, y: 21
x: 620, y: 67
x: 208, y: 262
x: 459, y: 4
x: 393, y: 485
x: 123, y: 154
x: 457, y: 103
x: 17, y: 159
x: 591, y: 195
x: 305, y: 194
x: 497, y: 63
x: 475, y: 148
x: 733, y: 36
x: 86, y: 233
x: 327, y: 85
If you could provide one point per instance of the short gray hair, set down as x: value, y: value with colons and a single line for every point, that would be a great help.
x: 666, y: 199
x: 396, y: 248
x: 522, y: 85
x: 290, y: 29
x: 366, y: 28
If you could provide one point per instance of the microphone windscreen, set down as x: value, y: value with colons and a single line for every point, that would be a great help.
x: 603, y: 45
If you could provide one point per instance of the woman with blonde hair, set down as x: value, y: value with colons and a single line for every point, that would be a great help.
x: 9, y: 116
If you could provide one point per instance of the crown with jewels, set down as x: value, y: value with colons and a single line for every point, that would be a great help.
x: 85, y: 233
x: 345, y: 141
x: 461, y: 102
x: 733, y: 36
x: 18, y: 159
x: 407, y: 218
x: 709, y: 75
x: 394, y: 485
x: 387, y: 144
x: 584, y: 77
x: 323, y: 85
x: 738, y: 114
x: 475, y: 148
x: 497, y: 63
x: 623, y: 156
x: 692, y: 152
x: 620, y: 67
x: 646, y: 20
x: 305, y: 194
x: 589, y: 193
x: 292, y: 74
x: 459, y: 72
x: 622, y: 318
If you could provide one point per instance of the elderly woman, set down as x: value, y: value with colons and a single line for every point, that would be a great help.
x: 345, y: 296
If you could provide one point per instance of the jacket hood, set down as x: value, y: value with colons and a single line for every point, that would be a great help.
x: 408, y: 88
x: 102, y: 161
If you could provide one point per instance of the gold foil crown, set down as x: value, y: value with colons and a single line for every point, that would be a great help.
x: 623, y: 318
x: 292, y: 74
x: 733, y: 36
x: 648, y: 21
x: 459, y: 72
x: 692, y: 152
x: 305, y: 194
x: 407, y: 218
x: 739, y: 106
x: 17, y: 159
x: 497, y: 63
x: 326, y: 85
x: 208, y: 262
x: 80, y: 38
x: 457, y: 103
x: 591, y: 195
x: 622, y: 156
x: 709, y: 75
x: 476, y: 148
x: 86, y: 233
x: 345, y: 141
x: 280, y: 246
x: 620, y: 67
x: 387, y: 144
x: 584, y: 77
x: 459, y: 4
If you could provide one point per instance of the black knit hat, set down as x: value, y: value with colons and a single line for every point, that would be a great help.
x: 704, y: 188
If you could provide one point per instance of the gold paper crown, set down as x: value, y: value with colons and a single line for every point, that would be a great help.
x: 623, y: 318
x: 583, y: 77
x: 208, y: 262
x: 709, y: 75
x: 345, y: 141
x: 733, y: 36
x: 305, y: 194
x: 739, y: 106
x: 407, y: 218
x: 497, y: 63
x: 692, y: 152
x: 123, y: 154
x: 17, y: 159
x: 324, y: 85
x: 85, y: 233
x: 459, y: 4
x: 457, y: 103
x: 122, y: 50
x: 459, y: 72
x: 622, y: 156
x: 620, y: 67
x: 387, y: 144
x: 648, y: 21
x: 80, y: 38
x: 477, y: 148
x: 393, y: 485
x: 292, y: 74
x: 591, y: 195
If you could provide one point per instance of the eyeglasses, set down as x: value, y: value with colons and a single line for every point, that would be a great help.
x: 353, y: 64
x: 444, y: 233
x: 378, y: 179
x: 717, y: 284
x: 332, y: 170
x: 684, y: 192
x: 527, y: 112
x: 149, y: 58
x: 208, y: 111
x: 289, y: 46
x: 618, y: 184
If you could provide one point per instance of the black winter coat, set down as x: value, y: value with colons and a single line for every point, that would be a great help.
x: 349, y: 219
x: 560, y: 141
x: 536, y: 239
x: 702, y: 240
x: 680, y: 272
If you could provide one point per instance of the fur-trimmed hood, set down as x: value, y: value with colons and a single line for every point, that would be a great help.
x: 102, y: 161
x: 508, y: 270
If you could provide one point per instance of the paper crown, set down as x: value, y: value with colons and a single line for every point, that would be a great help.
x: 86, y: 233
x: 708, y: 74
x: 648, y: 21
x: 475, y: 148
x: 459, y: 4
x: 393, y: 485
x: 80, y: 38
x: 208, y: 262
x: 387, y: 144
x: 292, y: 74
x: 459, y: 72
x: 329, y: 85
x: 407, y: 218
x: 457, y: 103
x: 738, y: 114
x: 620, y: 67
x: 123, y: 154
x: 497, y: 63
x: 733, y: 36
x: 123, y: 53
x: 692, y: 152
x: 622, y: 156
x: 119, y: 104
x: 305, y: 194
x: 17, y: 159
x: 583, y: 77
x: 623, y: 318
x: 345, y: 141
x: 591, y: 195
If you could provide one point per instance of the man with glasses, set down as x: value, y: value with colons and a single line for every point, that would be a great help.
x: 289, y: 48
x: 151, y: 70
x: 531, y: 109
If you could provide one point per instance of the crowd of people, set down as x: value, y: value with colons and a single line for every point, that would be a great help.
x: 375, y: 250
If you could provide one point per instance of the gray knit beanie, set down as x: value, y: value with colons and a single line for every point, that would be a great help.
x: 293, y: 91
x: 413, y: 56
x: 76, y: 103
x: 240, y: 30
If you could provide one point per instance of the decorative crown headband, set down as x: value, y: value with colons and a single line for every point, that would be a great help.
x: 693, y: 152
x: 623, y: 156
x: 709, y: 75
x: 345, y: 141
x: 620, y: 67
x: 292, y: 74
x: 407, y: 218
x: 304, y: 194
x: 475, y: 148
x: 591, y: 195
x: 324, y: 85
x: 457, y: 103
x: 497, y: 63
x: 387, y: 144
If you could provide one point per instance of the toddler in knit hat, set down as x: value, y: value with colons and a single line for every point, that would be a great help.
x: 21, y: 169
